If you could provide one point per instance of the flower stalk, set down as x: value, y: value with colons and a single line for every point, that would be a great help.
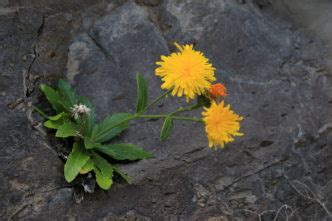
x: 173, y: 117
x: 156, y: 100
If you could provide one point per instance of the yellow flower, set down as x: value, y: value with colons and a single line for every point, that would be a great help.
x: 221, y: 124
x: 187, y: 72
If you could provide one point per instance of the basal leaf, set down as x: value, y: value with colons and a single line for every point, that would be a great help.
x: 53, y: 97
x: 68, y: 95
x: 87, y: 167
x: 124, y: 151
x: 124, y: 176
x: 166, y: 129
x: 53, y: 124
x: 103, y: 182
x: 76, y: 160
x: 90, y: 144
x: 142, y: 93
x: 110, y: 127
x: 103, y: 171
x: 67, y: 129
x: 102, y: 164
x: 57, y: 117
x: 56, y: 121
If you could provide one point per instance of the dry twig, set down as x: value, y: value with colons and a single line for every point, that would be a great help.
x: 307, y: 193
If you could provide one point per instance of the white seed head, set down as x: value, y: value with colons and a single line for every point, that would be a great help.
x: 79, y: 110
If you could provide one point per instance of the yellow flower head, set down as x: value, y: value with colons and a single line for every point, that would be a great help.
x: 221, y: 124
x: 187, y: 72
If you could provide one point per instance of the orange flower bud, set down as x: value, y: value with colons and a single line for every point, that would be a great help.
x: 217, y: 90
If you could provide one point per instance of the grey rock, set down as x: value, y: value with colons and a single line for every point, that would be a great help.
x: 61, y: 198
x: 223, y: 182
x: 25, y: 157
x: 105, y: 61
x: 276, y: 68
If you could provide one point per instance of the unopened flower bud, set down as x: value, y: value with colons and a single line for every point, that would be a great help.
x: 217, y: 90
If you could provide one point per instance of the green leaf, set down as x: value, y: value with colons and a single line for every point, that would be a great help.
x: 57, y: 117
x: 166, y: 129
x: 76, y: 160
x: 104, y: 166
x: 90, y: 144
x: 124, y: 151
x: 87, y: 167
x: 102, y: 181
x: 53, y: 124
x: 88, y: 119
x: 67, y: 129
x: 56, y: 121
x: 68, y: 95
x: 103, y: 171
x: 142, y: 93
x: 53, y: 97
x: 124, y: 176
x: 110, y: 127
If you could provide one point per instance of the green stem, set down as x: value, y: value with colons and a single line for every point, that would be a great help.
x: 173, y: 117
x: 39, y: 111
x: 136, y: 116
x: 156, y: 100
x: 183, y: 109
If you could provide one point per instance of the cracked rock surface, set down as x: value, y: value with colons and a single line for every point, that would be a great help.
x: 275, y: 65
